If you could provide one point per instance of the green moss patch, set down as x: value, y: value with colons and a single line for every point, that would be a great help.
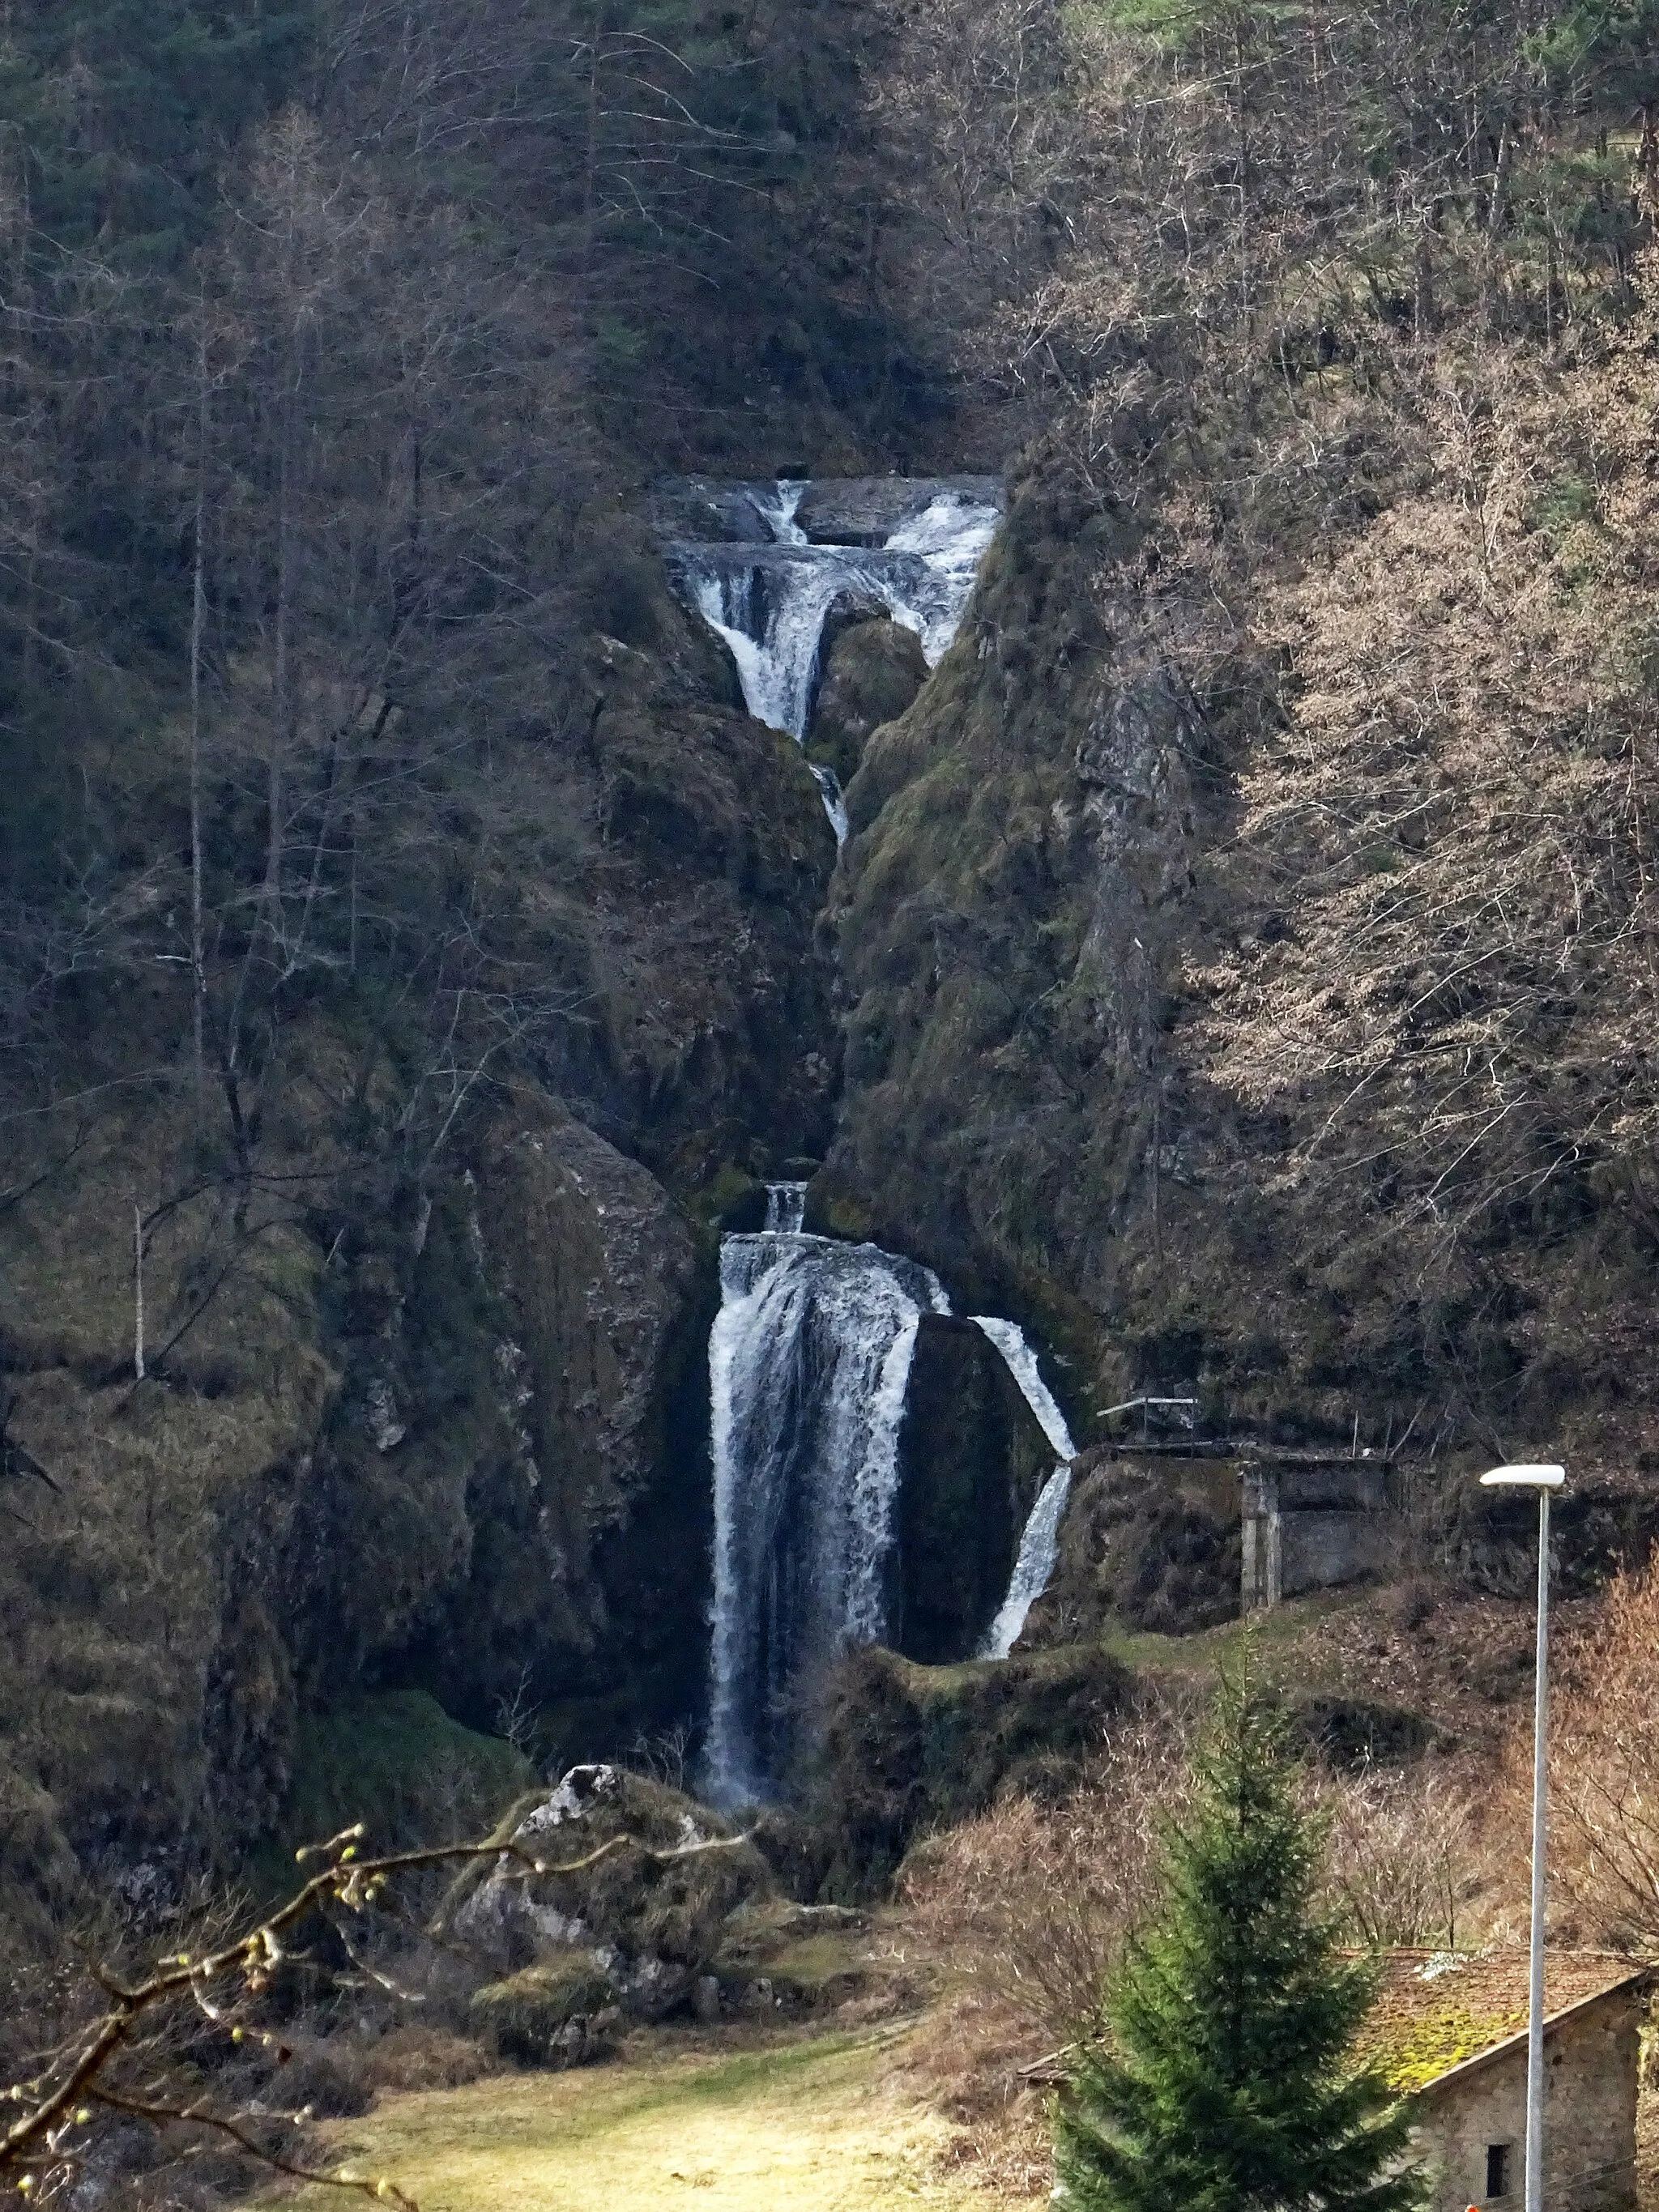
x: 399, y: 1762
x: 523, y: 2016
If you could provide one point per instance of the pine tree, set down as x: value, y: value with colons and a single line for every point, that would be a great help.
x: 1229, y: 2083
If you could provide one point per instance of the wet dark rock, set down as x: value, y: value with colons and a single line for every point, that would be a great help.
x: 712, y: 510
x: 871, y: 674
x: 972, y: 1458
x: 867, y: 510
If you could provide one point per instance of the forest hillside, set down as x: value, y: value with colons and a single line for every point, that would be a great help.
x: 1237, y: 979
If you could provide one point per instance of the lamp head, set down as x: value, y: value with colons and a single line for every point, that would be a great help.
x: 1524, y: 1477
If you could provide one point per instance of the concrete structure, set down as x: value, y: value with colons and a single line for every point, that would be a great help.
x: 1471, y: 2133
x: 1307, y: 1526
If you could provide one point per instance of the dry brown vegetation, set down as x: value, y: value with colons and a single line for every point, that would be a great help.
x: 1604, y: 1769
x: 1455, y: 1005
x: 225, y: 2046
x: 1029, y: 1905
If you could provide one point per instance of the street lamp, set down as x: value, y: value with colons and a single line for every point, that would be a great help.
x: 1543, y: 1479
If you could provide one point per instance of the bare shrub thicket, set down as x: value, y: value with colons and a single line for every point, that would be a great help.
x: 1604, y: 1769
x: 1453, y: 1006
x: 1404, y: 1858
x: 1027, y: 1907
x: 1034, y: 1901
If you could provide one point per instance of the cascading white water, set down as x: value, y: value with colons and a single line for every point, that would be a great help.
x: 1040, y: 1539
x: 835, y: 805
x: 786, y: 1208
x: 770, y: 600
x: 808, y: 1361
x: 1033, y: 1567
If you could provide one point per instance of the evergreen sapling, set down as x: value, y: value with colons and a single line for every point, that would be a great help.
x: 1228, y: 2082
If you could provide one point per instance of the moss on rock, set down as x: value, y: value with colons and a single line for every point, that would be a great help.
x: 559, y: 2012
x: 873, y: 674
x: 653, y: 1924
x: 909, y: 1748
x: 400, y: 1764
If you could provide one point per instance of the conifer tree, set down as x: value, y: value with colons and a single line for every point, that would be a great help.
x: 1228, y: 2082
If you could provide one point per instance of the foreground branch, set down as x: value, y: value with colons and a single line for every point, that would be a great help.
x: 57, y: 2101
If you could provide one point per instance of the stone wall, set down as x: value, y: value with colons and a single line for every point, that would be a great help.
x: 1590, y: 2118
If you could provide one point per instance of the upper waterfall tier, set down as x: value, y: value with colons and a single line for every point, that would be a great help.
x: 768, y: 565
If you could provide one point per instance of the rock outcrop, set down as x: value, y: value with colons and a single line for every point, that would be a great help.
x: 972, y: 1458
x: 442, y: 1424
x: 872, y: 673
x: 869, y: 510
x: 630, y: 1931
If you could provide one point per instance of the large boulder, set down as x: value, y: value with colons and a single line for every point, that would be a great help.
x: 631, y: 1931
x: 873, y: 671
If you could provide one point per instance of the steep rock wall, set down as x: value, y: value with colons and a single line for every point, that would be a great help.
x: 439, y: 1426
x: 971, y: 1461
x: 1020, y: 893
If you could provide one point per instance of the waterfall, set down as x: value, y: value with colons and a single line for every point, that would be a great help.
x: 808, y: 1362
x: 1009, y: 1339
x: 1032, y: 1569
x: 769, y: 596
x: 786, y: 1208
x: 1041, y: 1537
x: 835, y: 805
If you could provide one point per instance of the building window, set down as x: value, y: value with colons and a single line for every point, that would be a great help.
x: 1498, y: 2170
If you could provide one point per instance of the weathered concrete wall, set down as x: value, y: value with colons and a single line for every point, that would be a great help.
x: 1589, y: 2119
x: 1310, y: 1527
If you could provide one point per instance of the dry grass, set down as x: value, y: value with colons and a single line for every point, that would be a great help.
x: 819, y: 2120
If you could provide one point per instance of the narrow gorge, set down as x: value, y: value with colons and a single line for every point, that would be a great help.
x: 811, y: 1355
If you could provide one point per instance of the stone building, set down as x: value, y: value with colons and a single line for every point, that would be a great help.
x: 1450, y: 2029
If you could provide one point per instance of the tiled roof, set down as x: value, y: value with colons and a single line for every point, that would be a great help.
x: 1439, y: 2009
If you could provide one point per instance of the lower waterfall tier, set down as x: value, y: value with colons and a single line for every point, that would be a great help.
x: 876, y: 1461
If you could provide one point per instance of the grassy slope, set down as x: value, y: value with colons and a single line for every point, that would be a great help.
x: 811, y: 2120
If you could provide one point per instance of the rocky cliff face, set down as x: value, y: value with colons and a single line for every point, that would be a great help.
x: 443, y: 1432
x: 971, y: 1461
x: 1020, y: 893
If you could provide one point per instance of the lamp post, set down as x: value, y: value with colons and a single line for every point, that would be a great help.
x: 1543, y: 1479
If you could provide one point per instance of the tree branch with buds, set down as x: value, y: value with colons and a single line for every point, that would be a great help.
x: 59, y: 2099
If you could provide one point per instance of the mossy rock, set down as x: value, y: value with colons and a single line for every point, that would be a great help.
x: 529, y: 2016
x: 657, y: 1921
x: 873, y: 674
x: 399, y: 1762
x: 908, y: 1748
